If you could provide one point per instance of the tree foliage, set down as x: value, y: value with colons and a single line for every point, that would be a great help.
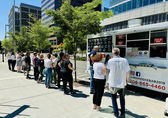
x: 21, y: 41
x: 32, y: 37
x: 75, y: 23
x: 39, y: 34
x: 7, y: 44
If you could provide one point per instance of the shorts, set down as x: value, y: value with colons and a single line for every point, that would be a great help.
x: 28, y: 68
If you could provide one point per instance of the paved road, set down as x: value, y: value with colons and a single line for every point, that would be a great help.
x: 22, y: 98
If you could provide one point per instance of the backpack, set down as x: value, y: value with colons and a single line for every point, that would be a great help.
x: 63, y: 68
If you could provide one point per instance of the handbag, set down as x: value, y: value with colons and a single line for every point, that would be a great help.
x: 44, y: 71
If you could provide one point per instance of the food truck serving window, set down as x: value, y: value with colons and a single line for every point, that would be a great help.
x: 138, y: 44
x: 158, y: 46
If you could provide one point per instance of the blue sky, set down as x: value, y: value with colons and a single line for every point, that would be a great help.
x: 5, y: 6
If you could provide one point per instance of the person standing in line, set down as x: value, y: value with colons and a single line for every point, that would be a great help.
x: 48, y: 67
x: 107, y: 71
x: 38, y: 55
x: 28, y: 64
x: 9, y: 60
x: 41, y: 68
x: 35, y: 66
x: 91, y: 56
x: 19, y: 62
x: 99, y: 72
x: 118, y: 78
x: 61, y: 56
x: 54, y: 73
x: 23, y: 64
x: 13, y: 57
x: 67, y: 74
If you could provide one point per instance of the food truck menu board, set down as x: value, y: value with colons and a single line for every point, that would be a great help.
x: 104, y: 43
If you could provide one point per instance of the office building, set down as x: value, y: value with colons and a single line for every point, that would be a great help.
x: 147, y: 11
x: 19, y: 16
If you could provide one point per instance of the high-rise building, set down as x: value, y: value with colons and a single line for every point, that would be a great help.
x: 19, y: 16
x: 56, y: 4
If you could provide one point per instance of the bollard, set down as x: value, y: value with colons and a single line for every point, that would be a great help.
x: 166, y: 107
x: 2, y: 57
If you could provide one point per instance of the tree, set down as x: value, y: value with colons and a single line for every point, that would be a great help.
x: 75, y: 23
x: 39, y: 34
x: 21, y: 41
x: 7, y: 44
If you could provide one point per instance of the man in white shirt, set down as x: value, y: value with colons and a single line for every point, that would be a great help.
x: 118, y: 77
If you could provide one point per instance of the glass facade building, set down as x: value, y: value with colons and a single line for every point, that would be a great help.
x: 120, y: 6
x: 19, y: 16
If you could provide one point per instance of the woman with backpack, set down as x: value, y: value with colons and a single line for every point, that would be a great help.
x: 66, y: 70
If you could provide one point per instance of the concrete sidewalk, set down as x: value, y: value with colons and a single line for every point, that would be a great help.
x: 22, y: 98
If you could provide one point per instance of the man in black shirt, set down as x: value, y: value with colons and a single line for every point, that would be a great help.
x: 28, y: 64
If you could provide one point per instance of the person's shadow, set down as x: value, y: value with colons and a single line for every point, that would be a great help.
x: 128, y: 113
x: 79, y: 94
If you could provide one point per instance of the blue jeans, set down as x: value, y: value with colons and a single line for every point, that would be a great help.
x: 122, y: 102
x: 48, y: 76
x: 91, y: 79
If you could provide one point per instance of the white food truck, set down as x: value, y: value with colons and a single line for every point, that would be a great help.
x: 145, y: 48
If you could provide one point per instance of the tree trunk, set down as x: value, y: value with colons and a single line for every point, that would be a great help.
x: 75, y: 66
x: 75, y: 62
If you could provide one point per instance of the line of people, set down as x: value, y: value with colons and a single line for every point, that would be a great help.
x: 113, y: 73
x: 54, y: 69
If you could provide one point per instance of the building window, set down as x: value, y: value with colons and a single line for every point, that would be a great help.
x: 25, y: 22
x: 24, y: 15
x: 17, y: 22
x: 124, y: 7
x: 116, y: 10
x: 33, y: 11
x: 139, y: 3
x: 24, y: 9
x: 145, y: 2
x: 134, y: 4
x: 129, y: 5
x: 159, y: 0
x: 120, y: 8
x: 164, y: 17
x: 152, y: 1
x: 155, y: 19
